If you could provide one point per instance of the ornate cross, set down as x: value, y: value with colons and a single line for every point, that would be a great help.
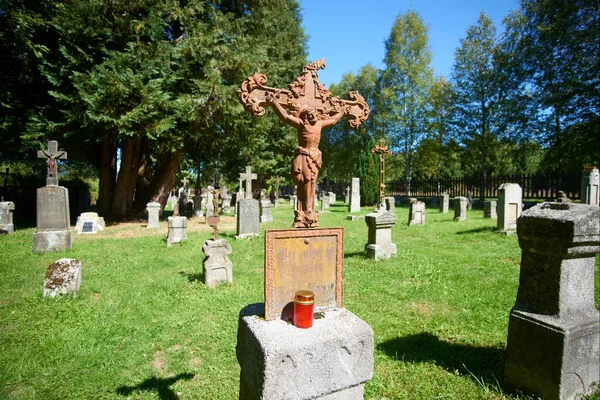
x: 52, y: 154
x: 309, y: 107
x: 382, y: 150
x: 248, y: 177
x: 184, y: 182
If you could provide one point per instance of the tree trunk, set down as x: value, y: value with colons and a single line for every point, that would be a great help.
x: 107, y: 175
x: 164, y: 176
x: 143, y: 190
x: 125, y: 188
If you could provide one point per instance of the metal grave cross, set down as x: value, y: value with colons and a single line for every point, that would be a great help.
x: 248, y: 177
x: 52, y: 154
x: 383, y: 150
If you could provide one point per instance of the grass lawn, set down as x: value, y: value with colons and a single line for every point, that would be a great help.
x: 144, y: 326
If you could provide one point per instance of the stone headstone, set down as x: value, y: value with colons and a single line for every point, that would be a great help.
x: 469, y: 200
x: 153, y: 209
x: 53, y: 231
x: 444, y: 202
x: 355, y: 196
x: 510, y: 199
x: 294, y: 201
x: 248, y: 218
x: 332, y: 198
x: 347, y: 195
x: 265, y: 210
x: 460, y: 208
x: 553, y: 344
x: 590, y: 184
x: 63, y: 278
x: 177, y: 230
x: 489, y: 209
x: 390, y: 204
x: 198, y: 206
x: 226, y: 203
x: 89, y: 223
x: 416, y: 213
x: 324, y: 203
x: 380, y: 245
x: 217, y: 266
x: 6, y: 217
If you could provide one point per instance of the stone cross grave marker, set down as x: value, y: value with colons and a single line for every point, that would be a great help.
x: 309, y: 107
x: 248, y: 176
x: 383, y: 150
x: 52, y: 154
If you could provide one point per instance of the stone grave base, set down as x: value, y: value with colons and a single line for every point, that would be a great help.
x: 177, y: 230
x: 354, y: 217
x: 52, y: 240
x: 552, y: 358
x: 217, y: 265
x: 332, y: 360
x: 381, y: 251
x: 7, y: 228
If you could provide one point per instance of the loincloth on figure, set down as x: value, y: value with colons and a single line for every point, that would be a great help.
x: 306, y: 164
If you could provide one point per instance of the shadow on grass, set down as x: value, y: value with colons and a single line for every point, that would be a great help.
x: 159, y: 385
x: 479, y: 230
x: 356, y: 254
x: 483, y: 364
x: 192, y: 277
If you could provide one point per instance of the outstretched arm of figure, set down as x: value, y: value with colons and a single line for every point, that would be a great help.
x: 283, y: 114
x: 335, y: 118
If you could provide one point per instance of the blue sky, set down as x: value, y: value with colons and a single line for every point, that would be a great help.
x: 351, y: 33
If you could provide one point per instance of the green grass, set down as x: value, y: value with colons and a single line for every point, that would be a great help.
x: 144, y: 326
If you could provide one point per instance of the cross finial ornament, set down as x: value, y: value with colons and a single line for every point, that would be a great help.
x: 383, y: 150
x: 184, y: 182
x: 248, y: 177
x: 52, y: 154
x: 309, y: 107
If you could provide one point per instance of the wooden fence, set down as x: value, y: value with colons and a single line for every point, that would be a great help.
x: 544, y: 187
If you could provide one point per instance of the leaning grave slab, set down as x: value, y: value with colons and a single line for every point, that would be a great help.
x: 333, y: 358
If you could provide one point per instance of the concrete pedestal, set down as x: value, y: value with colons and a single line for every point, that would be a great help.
x: 332, y: 360
x: 217, y: 265
x: 380, y: 225
x: 177, y: 230
x: 52, y: 240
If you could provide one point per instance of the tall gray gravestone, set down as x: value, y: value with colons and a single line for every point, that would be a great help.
x: 416, y: 213
x: 460, y: 208
x: 444, y: 202
x: 355, y: 195
x: 510, y: 199
x: 265, y: 207
x: 248, y: 218
x: 553, y: 344
x: 489, y: 209
x: 347, y: 195
x: 153, y: 209
x: 590, y: 182
x: 6, y: 217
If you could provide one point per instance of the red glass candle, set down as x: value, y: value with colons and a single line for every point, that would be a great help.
x: 304, y: 306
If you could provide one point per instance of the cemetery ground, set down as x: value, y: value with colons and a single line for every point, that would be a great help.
x: 144, y: 326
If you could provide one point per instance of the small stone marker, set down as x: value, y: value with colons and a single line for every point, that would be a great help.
x: 460, y: 208
x: 325, y: 203
x: 469, y: 200
x: 355, y: 196
x: 248, y: 218
x: 590, y: 183
x: 444, y: 203
x: 153, y: 209
x: 53, y: 231
x: 210, y: 206
x: 510, y: 199
x: 416, y: 213
x: 240, y: 193
x: 553, y: 344
x: 217, y: 266
x: 294, y: 201
x: 177, y: 230
x: 380, y: 245
x: 347, y: 195
x: 332, y: 198
x: 63, y: 278
x: 390, y: 204
x: 226, y: 203
x: 265, y: 210
x: 6, y: 217
x: 489, y: 209
x: 90, y: 223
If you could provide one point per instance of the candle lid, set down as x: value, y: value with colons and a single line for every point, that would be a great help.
x: 304, y: 296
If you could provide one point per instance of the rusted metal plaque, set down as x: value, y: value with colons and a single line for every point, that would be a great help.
x: 297, y: 259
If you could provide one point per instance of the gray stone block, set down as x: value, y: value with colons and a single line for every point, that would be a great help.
x: 379, y: 245
x: 217, y: 265
x: 52, y: 240
x: 332, y: 360
x: 177, y: 230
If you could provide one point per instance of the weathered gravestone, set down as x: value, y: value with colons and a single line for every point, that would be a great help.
x: 325, y: 203
x: 469, y: 200
x: 332, y: 198
x: 226, y: 203
x: 460, y: 208
x: 444, y: 203
x: 489, y: 209
x: 153, y: 209
x: 390, y: 204
x: 355, y: 196
x: 553, y: 345
x: 265, y: 207
x: 510, y: 199
x: 198, y: 205
x: 380, y: 245
x: 334, y: 358
x: 89, y: 223
x: 416, y: 213
x: 294, y: 201
x: 590, y: 183
x: 347, y: 195
x: 6, y: 217
x: 217, y: 266
x: 177, y: 230
x: 62, y: 278
x: 248, y: 218
x: 248, y: 176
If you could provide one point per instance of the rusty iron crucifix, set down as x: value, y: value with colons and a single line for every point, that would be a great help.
x: 52, y: 154
x: 309, y: 107
x: 383, y: 150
